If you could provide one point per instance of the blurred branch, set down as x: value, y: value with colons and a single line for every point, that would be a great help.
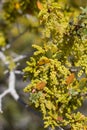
x: 11, y: 89
x: 12, y: 78
x: 19, y: 58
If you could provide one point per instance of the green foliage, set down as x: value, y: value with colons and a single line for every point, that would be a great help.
x: 2, y: 40
x: 12, y: 64
x: 56, y: 69
x: 15, y: 8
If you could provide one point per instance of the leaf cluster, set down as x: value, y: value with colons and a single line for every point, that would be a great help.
x: 58, y: 68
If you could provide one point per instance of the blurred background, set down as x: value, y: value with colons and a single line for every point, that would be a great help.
x: 19, y: 28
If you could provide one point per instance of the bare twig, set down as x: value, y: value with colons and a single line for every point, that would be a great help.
x: 11, y: 89
x: 12, y: 78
